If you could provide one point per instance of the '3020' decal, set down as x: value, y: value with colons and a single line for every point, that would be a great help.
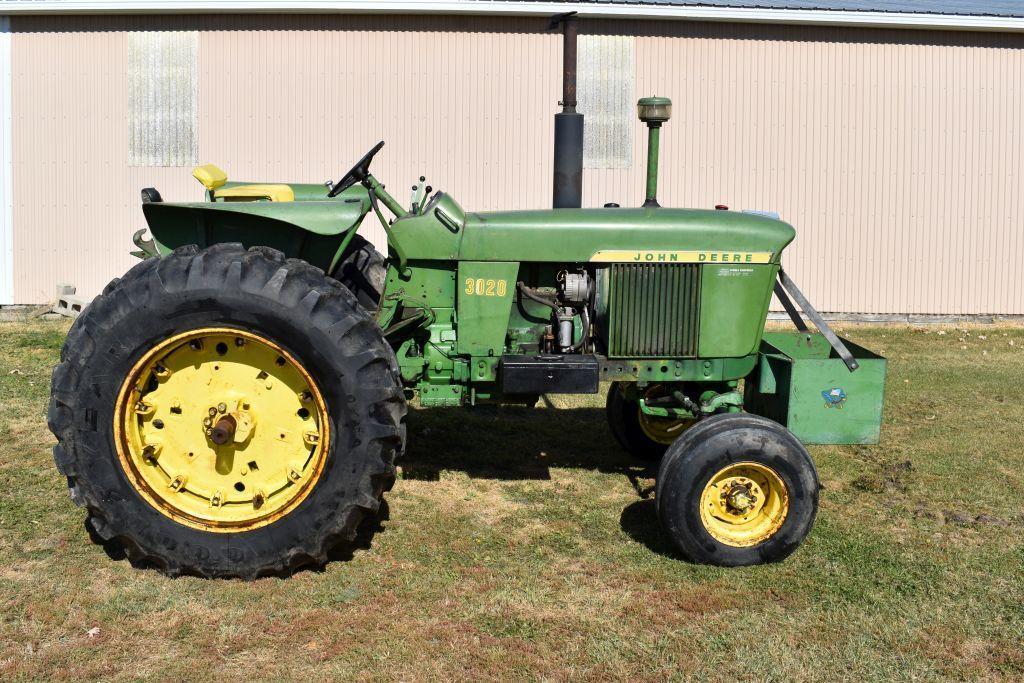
x: 485, y: 287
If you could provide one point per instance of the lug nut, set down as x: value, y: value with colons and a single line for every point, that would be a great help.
x: 221, y: 407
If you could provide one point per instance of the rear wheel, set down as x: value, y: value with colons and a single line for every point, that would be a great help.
x: 363, y: 270
x: 737, y: 490
x: 227, y: 413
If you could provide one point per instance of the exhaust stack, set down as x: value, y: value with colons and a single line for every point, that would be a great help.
x: 568, y: 177
x: 653, y: 111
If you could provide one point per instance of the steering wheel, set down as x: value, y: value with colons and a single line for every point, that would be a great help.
x: 357, y: 173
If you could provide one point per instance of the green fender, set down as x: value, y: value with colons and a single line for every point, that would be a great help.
x: 310, y: 230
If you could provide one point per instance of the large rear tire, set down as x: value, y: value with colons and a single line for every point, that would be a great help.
x: 736, y: 490
x: 363, y: 270
x: 323, y: 423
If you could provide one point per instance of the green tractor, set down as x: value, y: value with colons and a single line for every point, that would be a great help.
x: 235, y: 404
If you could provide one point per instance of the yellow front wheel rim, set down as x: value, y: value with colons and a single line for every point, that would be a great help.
x: 744, y: 504
x: 661, y: 430
x: 221, y: 430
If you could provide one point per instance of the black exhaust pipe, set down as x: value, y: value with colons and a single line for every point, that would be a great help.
x: 568, y: 177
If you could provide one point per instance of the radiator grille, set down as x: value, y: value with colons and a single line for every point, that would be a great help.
x: 654, y: 310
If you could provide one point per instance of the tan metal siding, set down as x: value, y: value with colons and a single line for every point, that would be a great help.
x: 76, y: 200
x: 896, y: 154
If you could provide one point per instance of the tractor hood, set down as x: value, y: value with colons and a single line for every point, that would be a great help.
x: 612, y: 234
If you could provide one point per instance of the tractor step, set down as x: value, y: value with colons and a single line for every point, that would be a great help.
x: 550, y: 374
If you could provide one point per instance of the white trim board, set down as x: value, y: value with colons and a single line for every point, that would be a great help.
x: 616, y: 10
x: 6, y: 169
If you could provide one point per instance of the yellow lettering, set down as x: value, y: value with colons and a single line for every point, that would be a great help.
x: 486, y: 287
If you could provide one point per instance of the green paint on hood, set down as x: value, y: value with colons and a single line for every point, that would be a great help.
x: 576, y: 234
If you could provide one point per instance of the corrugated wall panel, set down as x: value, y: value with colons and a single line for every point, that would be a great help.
x: 896, y: 154
x: 76, y: 200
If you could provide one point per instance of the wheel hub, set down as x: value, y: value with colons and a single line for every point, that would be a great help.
x: 744, y: 504
x: 221, y: 429
x: 740, y: 498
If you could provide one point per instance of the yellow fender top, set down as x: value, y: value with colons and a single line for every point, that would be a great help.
x: 210, y: 175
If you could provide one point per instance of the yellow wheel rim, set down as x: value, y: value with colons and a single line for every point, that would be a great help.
x: 744, y: 504
x: 662, y: 430
x: 221, y: 430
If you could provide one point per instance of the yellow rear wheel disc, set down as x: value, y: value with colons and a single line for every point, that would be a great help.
x: 744, y: 504
x: 221, y: 430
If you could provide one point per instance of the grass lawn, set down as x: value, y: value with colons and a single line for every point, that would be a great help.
x: 524, y: 544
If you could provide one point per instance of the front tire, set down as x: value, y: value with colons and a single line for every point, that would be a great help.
x: 125, y: 345
x: 737, y: 490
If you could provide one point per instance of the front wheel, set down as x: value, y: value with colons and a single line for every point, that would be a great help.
x: 227, y: 413
x: 737, y: 490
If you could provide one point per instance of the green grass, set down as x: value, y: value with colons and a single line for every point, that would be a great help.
x: 523, y: 544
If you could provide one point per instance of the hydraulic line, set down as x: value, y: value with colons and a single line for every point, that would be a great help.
x: 533, y: 295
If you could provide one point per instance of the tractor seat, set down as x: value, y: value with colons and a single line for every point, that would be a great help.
x: 214, y: 180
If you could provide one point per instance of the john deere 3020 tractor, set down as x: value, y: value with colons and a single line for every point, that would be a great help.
x: 235, y: 404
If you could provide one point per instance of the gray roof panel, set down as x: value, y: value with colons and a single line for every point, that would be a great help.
x: 977, y: 8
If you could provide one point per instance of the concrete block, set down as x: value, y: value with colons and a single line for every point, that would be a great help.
x: 68, y: 303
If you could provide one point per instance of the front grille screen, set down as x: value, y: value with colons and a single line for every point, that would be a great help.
x: 654, y: 310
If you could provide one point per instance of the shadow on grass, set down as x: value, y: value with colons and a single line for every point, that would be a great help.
x: 639, y: 520
x: 514, y: 443
x: 503, y: 443
x: 369, y: 527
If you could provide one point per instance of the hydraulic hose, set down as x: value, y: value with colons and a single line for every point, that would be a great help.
x: 532, y: 295
x: 582, y: 344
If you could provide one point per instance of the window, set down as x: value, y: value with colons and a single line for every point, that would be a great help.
x: 604, y: 89
x: 163, y: 89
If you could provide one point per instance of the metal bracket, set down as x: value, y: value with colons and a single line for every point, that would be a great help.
x: 146, y: 247
x: 731, y: 400
x: 785, y: 284
x: 658, y: 411
x: 558, y: 19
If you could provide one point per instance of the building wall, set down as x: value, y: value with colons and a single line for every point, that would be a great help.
x: 896, y: 154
